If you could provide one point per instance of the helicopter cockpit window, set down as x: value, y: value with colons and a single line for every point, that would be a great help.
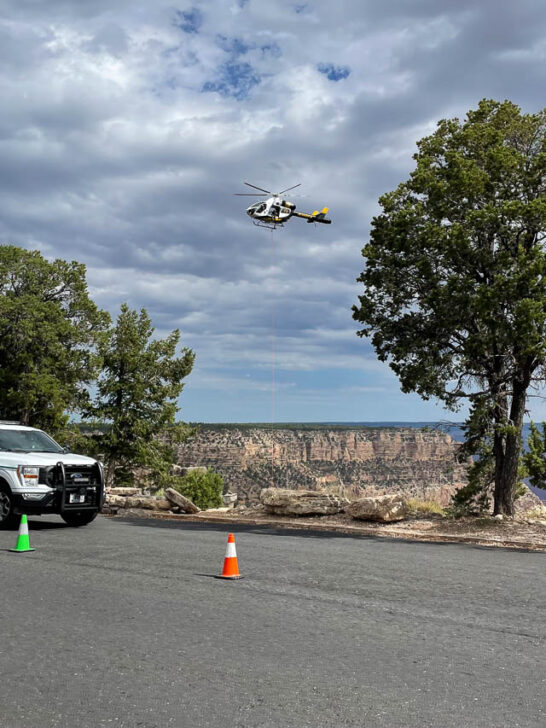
x: 261, y: 207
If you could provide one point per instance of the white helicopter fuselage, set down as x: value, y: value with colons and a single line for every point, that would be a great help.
x: 273, y: 211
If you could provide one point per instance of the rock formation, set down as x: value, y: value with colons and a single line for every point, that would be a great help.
x: 283, y: 502
x: 177, y: 499
x: 349, y: 461
x: 380, y: 508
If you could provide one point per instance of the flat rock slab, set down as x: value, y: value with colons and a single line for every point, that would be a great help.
x: 385, y: 508
x: 301, y: 502
x: 146, y: 502
x: 181, y: 501
x: 122, y: 491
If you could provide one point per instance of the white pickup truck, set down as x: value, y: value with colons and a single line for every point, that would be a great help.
x: 38, y: 476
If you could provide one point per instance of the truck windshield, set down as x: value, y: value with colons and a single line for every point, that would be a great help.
x: 27, y: 441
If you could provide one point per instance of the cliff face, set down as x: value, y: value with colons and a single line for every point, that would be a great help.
x: 351, y: 462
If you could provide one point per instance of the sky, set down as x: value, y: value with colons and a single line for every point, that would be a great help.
x: 127, y: 127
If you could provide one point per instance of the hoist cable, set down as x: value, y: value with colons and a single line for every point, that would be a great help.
x: 273, y: 360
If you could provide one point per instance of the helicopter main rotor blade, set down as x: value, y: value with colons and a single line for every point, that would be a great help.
x: 289, y: 188
x: 258, y: 188
x: 250, y: 194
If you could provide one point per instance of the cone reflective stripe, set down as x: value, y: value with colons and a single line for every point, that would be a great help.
x: 231, y: 567
x: 23, y: 542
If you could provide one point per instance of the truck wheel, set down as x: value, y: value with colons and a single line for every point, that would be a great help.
x: 7, y: 516
x: 79, y: 518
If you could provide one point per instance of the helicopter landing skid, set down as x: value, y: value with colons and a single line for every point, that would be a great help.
x: 273, y: 226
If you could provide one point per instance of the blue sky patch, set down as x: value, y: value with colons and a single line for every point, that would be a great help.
x: 235, y: 79
x: 334, y: 73
x: 189, y: 20
x: 235, y: 46
x: 300, y: 8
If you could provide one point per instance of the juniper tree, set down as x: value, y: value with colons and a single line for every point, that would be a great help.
x: 49, y: 333
x: 535, y: 457
x: 455, y: 279
x: 137, y: 396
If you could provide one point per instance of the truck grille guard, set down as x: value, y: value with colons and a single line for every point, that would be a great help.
x: 58, y: 477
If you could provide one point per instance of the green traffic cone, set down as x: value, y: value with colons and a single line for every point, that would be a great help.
x: 23, y: 543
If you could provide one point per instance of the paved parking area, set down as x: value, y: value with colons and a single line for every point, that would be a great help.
x: 121, y: 624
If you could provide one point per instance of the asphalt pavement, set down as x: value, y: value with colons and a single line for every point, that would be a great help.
x: 123, y: 624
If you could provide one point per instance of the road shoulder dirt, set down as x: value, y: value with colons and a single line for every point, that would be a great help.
x: 517, y: 533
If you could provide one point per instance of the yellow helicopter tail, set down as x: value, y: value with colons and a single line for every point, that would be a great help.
x: 320, y: 216
x: 316, y: 216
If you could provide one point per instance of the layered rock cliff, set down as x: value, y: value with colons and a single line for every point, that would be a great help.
x: 348, y: 461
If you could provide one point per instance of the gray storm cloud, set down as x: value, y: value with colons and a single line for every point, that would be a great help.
x: 126, y: 129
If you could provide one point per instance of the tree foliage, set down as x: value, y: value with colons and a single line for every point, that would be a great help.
x: 50, y: 330
x: 535, y: 457
x: 137, y: 393
x: 455, y: 284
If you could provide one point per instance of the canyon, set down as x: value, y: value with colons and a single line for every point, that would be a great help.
x: 346, y: 460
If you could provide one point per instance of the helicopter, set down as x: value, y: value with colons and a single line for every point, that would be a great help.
x: 275, y: 211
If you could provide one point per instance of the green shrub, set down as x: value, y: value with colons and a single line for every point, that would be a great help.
x: 202, y: 488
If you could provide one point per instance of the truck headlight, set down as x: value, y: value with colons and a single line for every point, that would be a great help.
x: 28, y: 474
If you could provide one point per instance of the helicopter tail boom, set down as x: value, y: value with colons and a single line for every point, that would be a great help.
x: 316, y: 216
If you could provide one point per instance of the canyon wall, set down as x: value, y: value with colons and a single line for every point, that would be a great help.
x: 349, y: 461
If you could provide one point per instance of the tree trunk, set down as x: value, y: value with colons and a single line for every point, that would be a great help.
x: 500, y: 415
x: 110, y: 474
x: 507, y: 471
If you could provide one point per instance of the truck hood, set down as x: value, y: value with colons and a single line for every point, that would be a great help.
x: 12, y: 459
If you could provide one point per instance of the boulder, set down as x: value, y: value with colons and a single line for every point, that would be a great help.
x: 136, y: 504
x: 147, y: 502
x: 379, y: 508
x: 229, y: 499
x: 140, y: 501
x: 115, y: 500
x: 301, y: 502
x: 163, y: 504
x: 185, y: 504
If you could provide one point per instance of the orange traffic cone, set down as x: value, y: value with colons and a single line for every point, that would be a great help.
x: 231, y: 568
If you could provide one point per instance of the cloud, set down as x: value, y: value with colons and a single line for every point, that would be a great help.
x: 127, y: 128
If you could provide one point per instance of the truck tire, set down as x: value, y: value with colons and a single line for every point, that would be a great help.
x: 7, y: 516
x: 79, y: 518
